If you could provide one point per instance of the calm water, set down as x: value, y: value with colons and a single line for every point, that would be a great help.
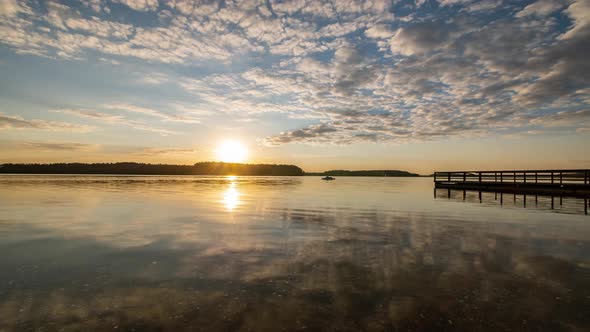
x: 138, y: 253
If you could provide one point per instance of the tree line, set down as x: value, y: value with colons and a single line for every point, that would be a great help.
x: 364, y: 173
x: 201, y: 168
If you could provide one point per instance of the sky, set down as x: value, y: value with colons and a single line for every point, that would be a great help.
x: 415, y: 85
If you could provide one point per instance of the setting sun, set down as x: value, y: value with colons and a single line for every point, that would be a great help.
x: 232, y: 152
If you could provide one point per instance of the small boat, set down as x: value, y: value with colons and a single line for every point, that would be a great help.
x: 328, y: 178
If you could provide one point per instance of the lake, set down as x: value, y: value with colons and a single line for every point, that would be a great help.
x: 189, y: 253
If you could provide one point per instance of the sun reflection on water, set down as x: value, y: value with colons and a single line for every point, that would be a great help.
x: 231, y: 196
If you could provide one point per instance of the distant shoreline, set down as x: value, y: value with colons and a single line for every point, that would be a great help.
x: 128, y: 168
x: 366, y: 173
x: 201, y: 168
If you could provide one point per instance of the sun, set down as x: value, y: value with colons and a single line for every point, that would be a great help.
x: 232, y: 151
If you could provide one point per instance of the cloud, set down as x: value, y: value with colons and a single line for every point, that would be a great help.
x: 115, y: 120
x: 152, y: 112
x: 311, y: 134
x: 355, y: 71
x: 579, y: 12
x: 541, y: 8
x: 52, y: 146
x: 90, y: 114
x: 155, y: 151
x: 18, y: 122
x: 8, y: 8
x: 420, y: 38
x: 564, y: 118
x: 140, y: 5
x: 153, y: 78
x: 379, y: 31
x: 484, y: 5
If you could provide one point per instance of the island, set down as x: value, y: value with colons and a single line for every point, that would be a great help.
x: 364, y: 173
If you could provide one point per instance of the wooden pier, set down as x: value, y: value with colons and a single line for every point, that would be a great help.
x: 554, y: 183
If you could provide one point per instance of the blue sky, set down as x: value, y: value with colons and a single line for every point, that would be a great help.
x: 417, y: 85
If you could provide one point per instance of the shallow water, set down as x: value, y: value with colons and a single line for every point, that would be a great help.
x: 146, y: 253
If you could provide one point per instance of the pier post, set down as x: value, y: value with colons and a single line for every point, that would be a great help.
x: 553, y: 184
x: 560, y: 177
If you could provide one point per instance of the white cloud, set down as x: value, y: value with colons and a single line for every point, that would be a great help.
x: 354, y: 69
x: 541, y: 8
x: 579, y: 11
x: 90, y: 114
x: 420, y: 38
x: 9, y: 8
x: 18, y: 122
x: 170, y: 116
x: 379, y: 31
x: 57, y: 146
x: 140, y: 5
x: 564, y: 118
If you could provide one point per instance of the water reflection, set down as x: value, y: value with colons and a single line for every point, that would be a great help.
x: 570, y: 205
x: 354, y: 254
x: 231, y: 196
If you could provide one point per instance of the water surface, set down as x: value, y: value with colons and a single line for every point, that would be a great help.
x: 166, y: 253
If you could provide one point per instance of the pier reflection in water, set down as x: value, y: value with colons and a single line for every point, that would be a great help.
x: 90, y: 253
x: 559, y: 204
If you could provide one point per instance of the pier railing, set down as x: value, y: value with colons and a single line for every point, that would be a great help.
x: 551, y: 177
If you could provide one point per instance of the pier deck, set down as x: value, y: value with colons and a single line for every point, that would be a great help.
x: 567, y: 183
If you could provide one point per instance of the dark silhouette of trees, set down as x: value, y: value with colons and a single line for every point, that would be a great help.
x: 367, y: 173
x: 219, y: 168
x: 202, y: 168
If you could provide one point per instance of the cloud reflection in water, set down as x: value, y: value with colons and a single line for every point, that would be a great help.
x: 156, y: 254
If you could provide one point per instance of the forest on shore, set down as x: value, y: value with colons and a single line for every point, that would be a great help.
x: 364, y: 173
x: 201, y: 168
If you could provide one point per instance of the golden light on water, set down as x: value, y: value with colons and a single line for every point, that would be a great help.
x: 232, y: 151
x: 231, y: 196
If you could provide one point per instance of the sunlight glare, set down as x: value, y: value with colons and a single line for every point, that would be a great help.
x: 231, y: 197
x: 232, y: 152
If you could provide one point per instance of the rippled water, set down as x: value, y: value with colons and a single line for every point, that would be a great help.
x: 144, y: 253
